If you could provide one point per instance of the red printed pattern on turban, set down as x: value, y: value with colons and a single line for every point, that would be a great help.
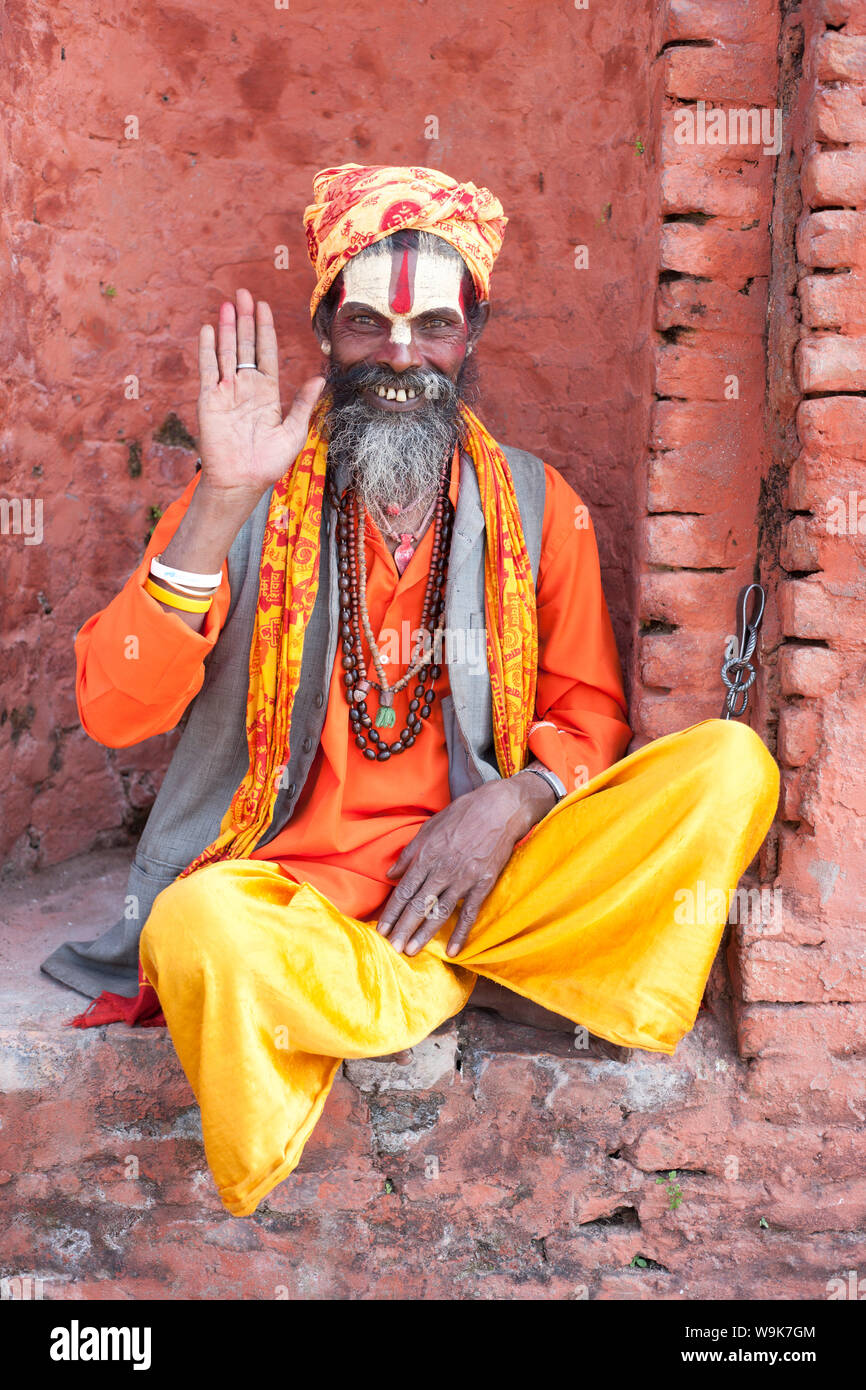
x: 355, y: 205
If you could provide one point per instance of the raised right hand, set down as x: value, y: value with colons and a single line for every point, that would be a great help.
x: 246, y: 445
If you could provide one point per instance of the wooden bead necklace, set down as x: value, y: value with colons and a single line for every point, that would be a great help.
x: 354, y: 616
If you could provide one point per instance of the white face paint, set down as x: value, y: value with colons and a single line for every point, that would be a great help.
x: 414, y: 283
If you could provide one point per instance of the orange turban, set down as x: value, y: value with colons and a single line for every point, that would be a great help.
x: 356, y: 205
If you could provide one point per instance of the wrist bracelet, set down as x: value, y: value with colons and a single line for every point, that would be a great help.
x: 190, y: 593
x: 188, y: 605
x: 198, y: 581
x: 557, y: 787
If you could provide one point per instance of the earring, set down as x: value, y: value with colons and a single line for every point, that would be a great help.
x: 468, y: 349
x: 326, y: 347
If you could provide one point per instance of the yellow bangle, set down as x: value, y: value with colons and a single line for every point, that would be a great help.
x: 189, y: 605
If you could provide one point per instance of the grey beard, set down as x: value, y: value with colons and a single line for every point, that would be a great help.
x: 394, y: 457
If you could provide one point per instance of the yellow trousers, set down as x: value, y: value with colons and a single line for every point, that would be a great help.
x: 610, y: 913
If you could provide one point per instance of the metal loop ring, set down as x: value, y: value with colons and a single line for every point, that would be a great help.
x: 737, y: 684
x: 731, y: 702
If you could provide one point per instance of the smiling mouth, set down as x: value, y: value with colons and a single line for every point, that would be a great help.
x: 393, y: 398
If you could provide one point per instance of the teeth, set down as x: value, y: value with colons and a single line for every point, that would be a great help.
x: 411, y: 393
x: 401, y: 394
x: 380, y: 391
x: 392, y: 394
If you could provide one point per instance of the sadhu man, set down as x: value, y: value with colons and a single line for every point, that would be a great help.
x: 401, y: 772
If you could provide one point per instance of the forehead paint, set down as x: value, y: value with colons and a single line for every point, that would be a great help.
x: 402, y: 282
x: 403, y: 286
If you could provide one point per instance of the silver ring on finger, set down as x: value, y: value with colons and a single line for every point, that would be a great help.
x: 424, y: 904
x: 252, y: 365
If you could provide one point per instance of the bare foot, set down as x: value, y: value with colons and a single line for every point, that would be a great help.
x: 488, y: 995
x: 402, y: 1058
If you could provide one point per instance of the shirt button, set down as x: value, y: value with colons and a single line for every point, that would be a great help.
x: 291, y: 789
x: 320, y: 700
x: 308, y: 743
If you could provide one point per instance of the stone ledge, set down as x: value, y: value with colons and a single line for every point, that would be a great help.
x: 502, y: 1163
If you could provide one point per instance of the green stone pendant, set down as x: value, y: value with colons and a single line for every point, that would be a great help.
x: 385, y: 716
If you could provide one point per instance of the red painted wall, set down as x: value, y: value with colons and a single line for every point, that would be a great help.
x: 116, y: 248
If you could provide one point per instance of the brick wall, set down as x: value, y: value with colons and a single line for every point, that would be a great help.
x: 708, y: 444
x: 804, y: 988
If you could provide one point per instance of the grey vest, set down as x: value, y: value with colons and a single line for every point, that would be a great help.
x: 211, y: 757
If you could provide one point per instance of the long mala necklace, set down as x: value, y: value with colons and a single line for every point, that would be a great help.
x: 354, y: 616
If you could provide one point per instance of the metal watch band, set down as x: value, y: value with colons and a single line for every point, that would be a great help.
x: 551, y: 779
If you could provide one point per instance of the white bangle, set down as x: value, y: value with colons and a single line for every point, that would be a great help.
x: 185, y: 589
x: 199, y: 581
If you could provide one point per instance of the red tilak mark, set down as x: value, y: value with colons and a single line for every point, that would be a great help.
x: 401, y: 302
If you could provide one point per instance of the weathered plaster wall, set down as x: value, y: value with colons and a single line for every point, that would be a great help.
x: 116, y: 248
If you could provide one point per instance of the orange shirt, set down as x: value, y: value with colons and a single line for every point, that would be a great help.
x: 138, y: 668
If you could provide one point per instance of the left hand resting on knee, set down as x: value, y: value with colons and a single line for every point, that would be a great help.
x: 459, y: 853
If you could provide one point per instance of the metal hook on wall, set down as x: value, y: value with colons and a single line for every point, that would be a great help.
x: 738, y: 673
